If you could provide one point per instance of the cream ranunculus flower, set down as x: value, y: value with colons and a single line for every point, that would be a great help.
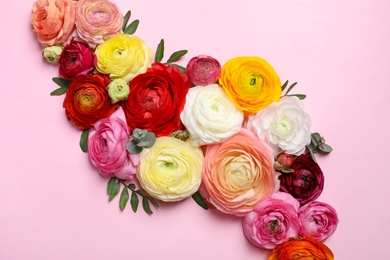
x: 123, y: 56
x: 284, y: 125
x: 171, y: 170
x: 209, y: 115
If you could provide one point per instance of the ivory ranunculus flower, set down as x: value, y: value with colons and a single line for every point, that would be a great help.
x: 285, y: 125
x: 97, y: 21
x: 209, y: 115
x: 251, y: 83
x: 238, y: 173
x: 123, y: 56
x: 171, y: 170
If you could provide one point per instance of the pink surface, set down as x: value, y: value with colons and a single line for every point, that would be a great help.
x: 53, y: 203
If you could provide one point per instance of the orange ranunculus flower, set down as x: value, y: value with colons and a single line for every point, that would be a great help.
x: 301, y: 248
x: 251, y: 83
x: 87, y: 100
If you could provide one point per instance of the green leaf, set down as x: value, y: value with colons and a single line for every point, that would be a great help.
x: 285, y: 85
x: 59, y: 91
x: 84, y: 140
x: 181, y: 68
x: 199, y: 200
x: 325, y: 148
x: 126, y: 19
x: 141, y: 192
x: 159, y: 52
x: 176, y: 56
x: 134, y: 201
x: 146, y: 206
x: 300, y: 96
x: 131, y: 186
x: 124, y: 198
x: 291, y: 87
x: 153, y: 201
x: 113, y: 188
x: 132, y: 27
x: 64, y: 83
x: 312, y: 154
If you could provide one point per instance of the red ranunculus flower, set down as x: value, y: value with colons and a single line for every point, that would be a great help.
x: 76, y: 59
x: 306, y: 182
x: 87, y: 100
x: 156, y: 99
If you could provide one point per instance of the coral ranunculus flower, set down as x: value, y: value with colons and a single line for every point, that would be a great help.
x: 87, y: 100
x: 301, y: 248
x: 251, y: 83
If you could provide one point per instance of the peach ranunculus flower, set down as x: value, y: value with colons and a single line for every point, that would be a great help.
x: 301, y: 248
x: 53, y: 21
x: 123, y: 56
x: 97, y: 21
x: 238, y: 173
x: 250, y: 82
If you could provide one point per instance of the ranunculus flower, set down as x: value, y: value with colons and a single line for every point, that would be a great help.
x: 53, y: 21
x: 301, y: 248
x: 118, y: 90
x: 97, y: 21
x: 318, y: 219
x: 87, y: 101
x: 272, y: 221
x: 306, y: 182
x: 284, y: 125
x: 52, y: 53
x: 171, y: 170
x: 238, y: 173
x: 203, y: 70
x: 156, y: 100
x: 123, y: 56
x: 76, y: 59
x: 209, y: 115
x: 251, y: 83
x: 107, y: 149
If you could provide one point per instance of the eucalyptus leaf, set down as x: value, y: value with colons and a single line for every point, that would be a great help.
x: 176, y: 56
x: 134, y: 201
x: 285, y: 85
x: 133, y: 148
x: 325, y: 148
x: 59, y: 91
x: 124, y: 198
x: 181, y: 68
x: 64, y: 83
x: 132, y: 27
x: 151, y: 138
x: 199, y: 200
x: 291, y: 87
x: 159, y: 52
x: 126, y: 19
x: 300, y: 96
x: 146, y: 206
x: 312, y: 155
x: 113, y: 188
x: 84, y: 140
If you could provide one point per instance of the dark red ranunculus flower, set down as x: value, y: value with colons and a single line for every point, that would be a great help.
x: 156, y: 100
x: 76, y: 59
x: 87, y: 100
x: 306, y: 182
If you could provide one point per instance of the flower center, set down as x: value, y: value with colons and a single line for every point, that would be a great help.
x: 273, y: 226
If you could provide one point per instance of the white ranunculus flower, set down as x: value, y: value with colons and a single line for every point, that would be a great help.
x: 284, y: 125
x: 209, y: 115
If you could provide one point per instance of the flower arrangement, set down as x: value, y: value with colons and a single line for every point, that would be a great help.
x: 232, y: 137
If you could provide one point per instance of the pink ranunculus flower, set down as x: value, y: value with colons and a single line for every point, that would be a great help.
x: 107, y: 149
x: 238, y: 173
x: 318, y: 219
x: 76, y: 59
x: 272, y: 221
x: 203, y: 70
x: 53, y: 21
x: 97, y: 21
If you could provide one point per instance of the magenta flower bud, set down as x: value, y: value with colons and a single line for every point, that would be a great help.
x: 203, y: 70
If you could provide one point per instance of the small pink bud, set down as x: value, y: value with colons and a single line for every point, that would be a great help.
x: 286, y: 159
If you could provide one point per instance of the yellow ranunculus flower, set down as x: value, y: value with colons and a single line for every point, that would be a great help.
x: 171, y: 170
x: 251, y: 83
x: 123, y: 56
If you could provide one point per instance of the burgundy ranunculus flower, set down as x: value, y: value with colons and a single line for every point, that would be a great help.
x: 306, y: 182
x: 203, y: 70
x: 156, y: 100
x: 76, y: 59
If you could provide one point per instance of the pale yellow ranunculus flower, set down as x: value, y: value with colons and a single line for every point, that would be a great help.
x: 123, y: 56
x: 171, y: 170
x: 250, y: 82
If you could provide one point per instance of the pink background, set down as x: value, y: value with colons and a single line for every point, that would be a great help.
x: 53, y: 204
